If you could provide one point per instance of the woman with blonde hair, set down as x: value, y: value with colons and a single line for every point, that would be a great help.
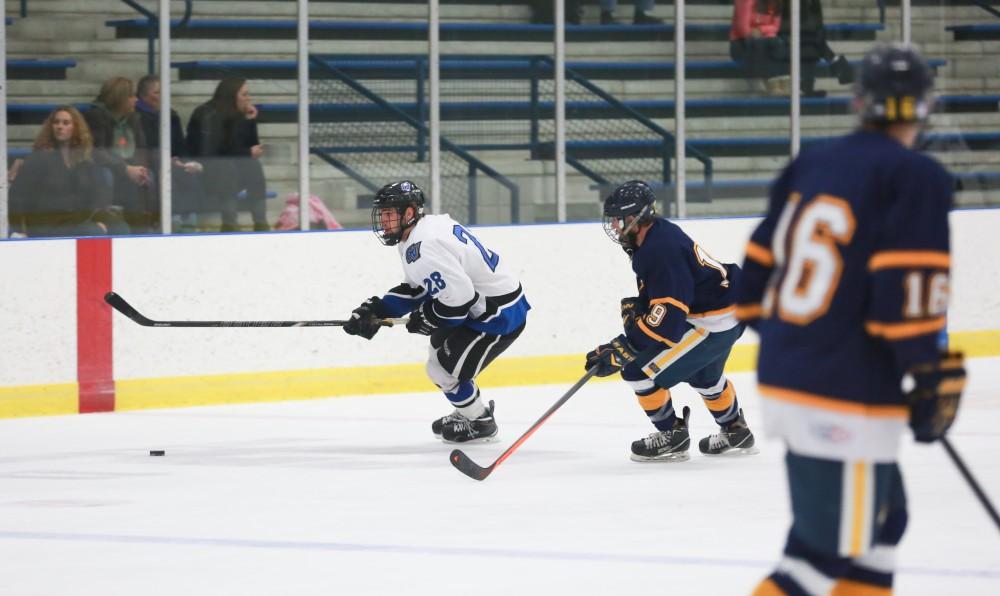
x: 120, y: 146
x: 59, y: 190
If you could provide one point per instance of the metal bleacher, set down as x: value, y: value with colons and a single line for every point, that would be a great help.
x: 487, y: 110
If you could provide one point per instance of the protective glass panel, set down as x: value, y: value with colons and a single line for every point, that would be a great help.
x: 960, y: 40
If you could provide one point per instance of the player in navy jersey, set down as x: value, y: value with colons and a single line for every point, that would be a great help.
x: 679, y: 329
x: 846, y: 281
x: 457, y: 291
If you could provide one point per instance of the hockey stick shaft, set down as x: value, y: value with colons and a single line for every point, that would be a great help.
x: 122, y: 306
x: 468, y: 467
x: 976, y: 488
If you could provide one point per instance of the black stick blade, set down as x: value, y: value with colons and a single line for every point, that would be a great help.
x: 119, y: 304
x: 465, y: 465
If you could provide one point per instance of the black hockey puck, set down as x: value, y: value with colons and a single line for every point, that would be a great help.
x: 157, y: 452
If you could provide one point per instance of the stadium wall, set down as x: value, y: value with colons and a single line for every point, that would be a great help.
x: 64, y: 351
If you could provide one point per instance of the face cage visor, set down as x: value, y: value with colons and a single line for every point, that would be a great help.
x: 393, y: 238
x: 628, y: 226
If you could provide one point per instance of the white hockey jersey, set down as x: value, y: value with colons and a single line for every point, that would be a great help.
x: 456, y: 279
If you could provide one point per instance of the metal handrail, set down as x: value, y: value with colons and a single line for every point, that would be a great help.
x: 153, y: 29
x: 667, y: 137
x: 985, y: 6
x: 475, y: 164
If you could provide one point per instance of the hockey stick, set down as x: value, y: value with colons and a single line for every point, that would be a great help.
x: 119, y: 304
x: 972, y: 481
x: 473, y: 470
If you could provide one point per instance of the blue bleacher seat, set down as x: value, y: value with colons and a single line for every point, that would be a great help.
x: 38, y: 69
x: 417, y: 31
x: 984, y: 32
x: 467, y: 67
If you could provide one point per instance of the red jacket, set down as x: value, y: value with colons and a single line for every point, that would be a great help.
x: 764, y: 16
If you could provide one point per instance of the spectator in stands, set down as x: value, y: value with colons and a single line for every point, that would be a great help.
x: 814, y: 46
x: 185, y: 175
x: 642, y: 10
x: 222, y: 134
x: 120, y: 146
x: 760, y: 40
x: 59, y: 190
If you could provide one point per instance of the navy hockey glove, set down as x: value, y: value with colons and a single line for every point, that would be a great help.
x: 418, y: 323
x: 631, y: 310
x: 611, y: 357
x: 366, y: 319
x: 934, y: 399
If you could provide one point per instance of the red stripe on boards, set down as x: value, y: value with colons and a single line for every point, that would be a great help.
x: 94, y: 369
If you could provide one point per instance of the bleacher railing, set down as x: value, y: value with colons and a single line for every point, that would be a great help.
x: 463, y: 201
x: 153, y: 29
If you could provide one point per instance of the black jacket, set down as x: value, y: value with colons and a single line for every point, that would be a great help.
x: 48, y: 192
x: 222, y: 144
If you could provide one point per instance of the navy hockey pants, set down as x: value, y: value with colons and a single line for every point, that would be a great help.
x: 847, y: 518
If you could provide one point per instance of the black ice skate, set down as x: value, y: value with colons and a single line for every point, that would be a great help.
x: 462, y: 430
x: 735, y: 438
x: 666, y: 446
x: 440, y: 423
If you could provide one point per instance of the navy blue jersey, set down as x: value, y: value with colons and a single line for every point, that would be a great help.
x: 846, y: 279
x: 680, y: 286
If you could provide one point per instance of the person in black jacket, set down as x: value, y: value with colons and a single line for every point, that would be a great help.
x: 120, y: 146
x: 185, y: 175
x: 222, y: 135
x: 59, y: 190
x: 814, y: 46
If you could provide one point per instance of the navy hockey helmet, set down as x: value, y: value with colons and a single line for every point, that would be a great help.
x: 895, y: 85
x: 398, y: 196
x: 630, y: 205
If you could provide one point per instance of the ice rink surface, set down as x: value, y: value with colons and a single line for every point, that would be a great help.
x: 355, y: 496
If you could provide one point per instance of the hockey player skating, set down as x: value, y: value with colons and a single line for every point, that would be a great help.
x: 679, y: 329
x: 457, y: 291
x: 846, y: 280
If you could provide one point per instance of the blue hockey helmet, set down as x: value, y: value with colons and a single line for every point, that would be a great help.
x: 631, y: 205
x: 895, y: 85
x: 398, y: 196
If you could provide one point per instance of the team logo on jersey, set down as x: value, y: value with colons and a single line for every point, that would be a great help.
x: 831, y: 433
x: 413, y: 252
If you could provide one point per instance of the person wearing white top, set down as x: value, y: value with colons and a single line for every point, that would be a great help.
x: 457, y: 291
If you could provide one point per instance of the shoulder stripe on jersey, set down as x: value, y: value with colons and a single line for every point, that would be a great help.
x: 712, y: 313
x: 824, y: 402
x: 897, y: 259
x: 904, y: 330
x: 652, y: 334
x: 760, y: 254
x: 747, y: 312
x: 672, y: 301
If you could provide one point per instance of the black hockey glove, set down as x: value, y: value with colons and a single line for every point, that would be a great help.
x: 418, y: 323
x: 631, y: 310
x: 611, y: 357
x: 366, y: 319
x: 934, y: 399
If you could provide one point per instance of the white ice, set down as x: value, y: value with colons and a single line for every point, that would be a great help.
x: 354, y: 496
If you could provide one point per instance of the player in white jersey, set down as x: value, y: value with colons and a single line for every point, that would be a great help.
x: 457, y: 291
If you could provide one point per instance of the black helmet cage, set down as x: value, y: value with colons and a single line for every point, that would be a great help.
x: 398, y: 195
x: 633, y: 199
x: 895, y: 85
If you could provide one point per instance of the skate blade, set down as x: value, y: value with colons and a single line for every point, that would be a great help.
x: 735, y: 452
x: 492, y: 439
x: 667, y: 458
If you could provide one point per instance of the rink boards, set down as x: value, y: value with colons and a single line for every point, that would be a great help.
x: 64, y: 351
